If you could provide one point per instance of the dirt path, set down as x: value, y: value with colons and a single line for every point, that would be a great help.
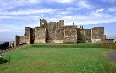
x: 112, y: 56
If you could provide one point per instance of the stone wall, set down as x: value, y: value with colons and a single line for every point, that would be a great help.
x: 17, y: 40
x: 27, y: 34
x: 70, y: 34
x: 85, y: 35
x: 40, y: 35
x: 21, y: 39
x: 59, y: 35
x: 97, y: 34
x: 108, y: 41
x: 56, y: 32
x: 32, y: 35
x: 43, y: 23
x: 51, y: 32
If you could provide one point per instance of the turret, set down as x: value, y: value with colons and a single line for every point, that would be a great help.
x: 43, y: 23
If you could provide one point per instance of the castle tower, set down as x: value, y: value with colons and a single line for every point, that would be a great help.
x: 16, y: 42
x: 61, y: 23
x: 43, y: 23
x: 81, y: 27
x: 97, y: 34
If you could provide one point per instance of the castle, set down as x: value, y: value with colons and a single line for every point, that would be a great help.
x: 56, y: 32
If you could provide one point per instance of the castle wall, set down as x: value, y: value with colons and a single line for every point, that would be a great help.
x: 21, y: 39
x: 51, y: 32
x: 59, y: 35
x: 108, y: 41
x: 56, y: 32
x: 70, y: 34
x: 27, y: 35
x: 40, y: 35
x: 60, y: 23
x: 17, y: 40
x: 97, y: 34
x: 85, y: 35
x: 32, y: 35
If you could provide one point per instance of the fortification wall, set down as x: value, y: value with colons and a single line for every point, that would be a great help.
x: 16, y: 42
x: 51, y: 32
x: 70, y: 34
x: 85, y: 35
x: 21, y: 39
x: 27, y: 35
x: 40, y: 35
x: 97, y: 34
x: 59, y: 35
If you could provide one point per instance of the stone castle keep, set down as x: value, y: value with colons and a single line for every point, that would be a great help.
x: 56, y: 32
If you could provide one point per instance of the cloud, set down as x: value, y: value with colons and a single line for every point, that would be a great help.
x: 99, y: 10
x: 15, y: 28
x: 27, y: 12
x: 84, y: 4
x: 4, y: 4
x: 60, y: 1
x: 7, y: 27
x: 92, y: 18
x: 34, y: 1
x: 112, y: 9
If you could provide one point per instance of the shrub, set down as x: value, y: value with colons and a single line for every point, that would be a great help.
x: 4, y: 46
x: 4, y: 60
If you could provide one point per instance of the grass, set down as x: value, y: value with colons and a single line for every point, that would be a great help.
x: 58, y: 58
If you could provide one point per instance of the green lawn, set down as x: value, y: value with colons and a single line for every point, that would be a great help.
x: 59, y: 58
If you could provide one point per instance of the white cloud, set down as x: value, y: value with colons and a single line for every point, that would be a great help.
x: 4, y: 4
x: 84, y: 4
x: 28, y: 11
x: 99, y: 10
x: 112, y: 9
x: 92, y: 18
x: 34, y: 1
x: 7, y: 27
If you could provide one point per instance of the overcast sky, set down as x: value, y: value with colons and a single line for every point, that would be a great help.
x: 17, y: 14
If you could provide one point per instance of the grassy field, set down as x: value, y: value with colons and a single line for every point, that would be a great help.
x: 60, y: 58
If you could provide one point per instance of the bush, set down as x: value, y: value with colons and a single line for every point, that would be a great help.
x: 4, y: 46
x: 4, y: 60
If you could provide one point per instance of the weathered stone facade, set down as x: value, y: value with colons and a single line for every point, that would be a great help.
x: 97, y: 34
x: 70, y: 34
x: 40, y: 35
x: 56, y: 32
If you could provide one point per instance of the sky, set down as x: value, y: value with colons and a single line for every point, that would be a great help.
x: 15, y: 15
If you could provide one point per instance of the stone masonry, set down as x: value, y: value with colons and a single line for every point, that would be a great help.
x: 56, y: 32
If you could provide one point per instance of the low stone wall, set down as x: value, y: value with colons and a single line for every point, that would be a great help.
x: 109, y: 45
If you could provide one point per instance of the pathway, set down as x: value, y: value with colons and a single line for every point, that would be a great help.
x: 112, y: 56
